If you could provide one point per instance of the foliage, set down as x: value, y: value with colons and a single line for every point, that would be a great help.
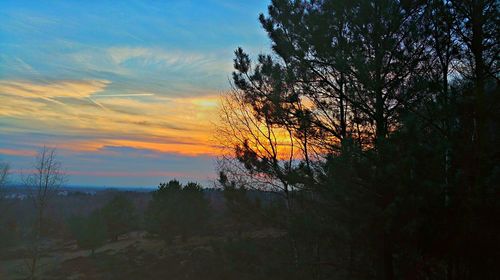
x: 391, y: 109
x: 120, y: 216
x: 177, y: 210
x: 4, y: 174
x: 242, y: 210
x: 90, y: 232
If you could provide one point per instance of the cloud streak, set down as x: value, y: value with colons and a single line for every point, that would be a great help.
x: 98, y: 78
x: 55, y: 89
x: 137, y: 120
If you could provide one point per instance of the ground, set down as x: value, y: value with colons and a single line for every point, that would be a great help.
x: 134, y: 256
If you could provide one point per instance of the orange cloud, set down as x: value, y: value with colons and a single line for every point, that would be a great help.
x: 64, y: 88
x: 13, y: 152
x: 138, y: 120
x: 185, y: 149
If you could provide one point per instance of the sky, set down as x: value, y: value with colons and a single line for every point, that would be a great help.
x: 126, y: 91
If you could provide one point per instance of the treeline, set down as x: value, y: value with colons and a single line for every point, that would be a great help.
x: 173, y: 211
x: 223, y: 233
x: 176, y: 213
x: 377, y: 122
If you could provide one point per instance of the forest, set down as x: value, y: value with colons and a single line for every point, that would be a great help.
x: 364, y: 146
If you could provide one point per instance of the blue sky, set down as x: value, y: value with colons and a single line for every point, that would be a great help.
x: 127, y: 91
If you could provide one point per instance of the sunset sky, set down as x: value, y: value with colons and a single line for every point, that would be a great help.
x: 127, y: 91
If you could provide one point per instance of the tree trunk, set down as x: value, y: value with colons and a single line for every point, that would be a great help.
x: 36, y: 242
x: 388, y: 259
x: 33, y: 267
x: 343, y: 124
x: 385, y: 265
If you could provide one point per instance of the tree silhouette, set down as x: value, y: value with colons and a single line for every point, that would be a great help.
x: 240, y: 208
x: 47, y: 176
x: 177, y: 210
x: 393, y: 107
x: 90, y: 232
x: 4, y: 174
x: 119, y: 214
x: 5, y: 234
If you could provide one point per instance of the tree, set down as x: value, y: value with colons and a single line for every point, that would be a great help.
x: 162, y: 212
x: 260, y: 154
x: 177, y: 210
x: 4, y: 174
x: 119, y: 215
x: 393, y: 106
x: 90, y: 232
x: 47, y: 176
x: 4, y: 231
x: 240, y: 208
x: 196, y: 210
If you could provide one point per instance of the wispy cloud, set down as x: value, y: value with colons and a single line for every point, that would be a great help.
x: 150, y: 56
x: 136, y: 120
x: 97, y: 78
x: 55, y: 89
x: 124, y: 95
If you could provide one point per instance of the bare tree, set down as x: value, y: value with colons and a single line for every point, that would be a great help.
x: 4, y: 174
x: 258, y: 154
x: 248, y: 140
x: 43, y: 181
